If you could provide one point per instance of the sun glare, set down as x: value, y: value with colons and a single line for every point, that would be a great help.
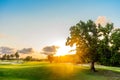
x: 63, y: 49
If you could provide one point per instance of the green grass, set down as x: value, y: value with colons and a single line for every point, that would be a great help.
x: 54, y: 71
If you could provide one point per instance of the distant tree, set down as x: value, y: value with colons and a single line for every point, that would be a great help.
x: 12, y: 55
x: 4, y: 57
x: 50, y: 58
x: 28, y: 58
x: 8, y: 57
x: 50, y: 51
x: 17, y: 55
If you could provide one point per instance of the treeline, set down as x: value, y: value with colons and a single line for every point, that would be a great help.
x: 10, y: 56
x: 16, y: 56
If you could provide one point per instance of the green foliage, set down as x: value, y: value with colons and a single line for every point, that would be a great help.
x: 109, y: 54
x: 96, y: 43
x: 115, y: 49
x: 86, y: 37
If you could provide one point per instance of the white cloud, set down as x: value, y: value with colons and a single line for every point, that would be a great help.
x: 102, y: 20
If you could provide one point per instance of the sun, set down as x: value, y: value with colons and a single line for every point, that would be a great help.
x: 63, y: 49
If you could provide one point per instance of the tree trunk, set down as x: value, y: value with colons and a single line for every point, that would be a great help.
x: 92, y: 66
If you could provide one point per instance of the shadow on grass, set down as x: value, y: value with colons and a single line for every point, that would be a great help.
x: 101, y: 74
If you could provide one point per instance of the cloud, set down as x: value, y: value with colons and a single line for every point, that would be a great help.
x: 49, y: 50
x: 26, y: 50
x: 102, y: 20
x: 7, y: 50
x: 30, y: 52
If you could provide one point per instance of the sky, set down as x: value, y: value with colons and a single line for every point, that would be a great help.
x: 39, y: 23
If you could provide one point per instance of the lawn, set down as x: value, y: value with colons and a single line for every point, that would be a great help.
x: 55, y: 71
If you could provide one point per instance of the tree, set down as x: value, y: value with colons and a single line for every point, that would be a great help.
x: 50, y: 51
x: 8, y: 57
x: 12, y: 55
x: 50, y: 58
x: 96, y: 42
x: 4, y: 57
x: 17, y: 55
x: 87, y: 38
x: 28, y: 58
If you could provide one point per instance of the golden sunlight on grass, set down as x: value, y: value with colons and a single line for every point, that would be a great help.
x: 63, y: 70
x: 63, y: 49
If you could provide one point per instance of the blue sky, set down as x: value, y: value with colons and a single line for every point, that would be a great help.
x: 37, y: 23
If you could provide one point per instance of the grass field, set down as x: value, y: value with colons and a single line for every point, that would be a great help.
x: 62, y: 71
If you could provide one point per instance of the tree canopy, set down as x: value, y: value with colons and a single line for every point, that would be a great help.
x: 94, y: 43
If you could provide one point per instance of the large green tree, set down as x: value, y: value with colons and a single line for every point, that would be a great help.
x: 85, y: 35
x: 96, y: 43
